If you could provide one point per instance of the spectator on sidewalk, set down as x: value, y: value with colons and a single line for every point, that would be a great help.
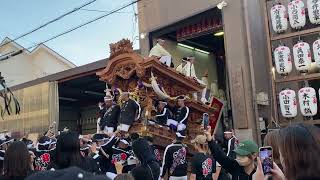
x: 149, y: 168
x: 203, y: 166
x: 68, y: 154
x: 241, y: 168
x: 271, y: 139
x: 299, y: 148
x: 17, y: 162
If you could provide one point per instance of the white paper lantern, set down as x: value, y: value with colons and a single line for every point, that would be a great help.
x: 302, y: 56
x: 288, y: 103
x: 297, y: 14
x: 308, y: 101
x: 316, y: 52
x: 314, y: 11
x: 282, y: 59
x: 279, y: 18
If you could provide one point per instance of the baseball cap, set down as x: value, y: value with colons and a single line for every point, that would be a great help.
x: 246, y: 148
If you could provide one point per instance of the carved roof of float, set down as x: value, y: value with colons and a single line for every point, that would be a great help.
x: 125, y: 63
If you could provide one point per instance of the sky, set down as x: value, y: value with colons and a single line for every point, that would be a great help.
x: 82, y: 46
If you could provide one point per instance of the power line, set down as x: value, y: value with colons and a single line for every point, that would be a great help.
x: 44, y: 25
x: 95, y: 10
x: 68, y: 31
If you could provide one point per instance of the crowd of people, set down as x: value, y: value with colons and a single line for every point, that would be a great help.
x: 130, y: 156
x: 114, y: 153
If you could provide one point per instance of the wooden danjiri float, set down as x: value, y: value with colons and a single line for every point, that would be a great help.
x: 148, y: 80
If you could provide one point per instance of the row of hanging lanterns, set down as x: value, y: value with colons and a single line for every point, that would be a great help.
x: 307, y: 102
x: 296, y: 13
x: 301, y: 56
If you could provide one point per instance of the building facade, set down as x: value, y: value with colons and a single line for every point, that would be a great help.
x: 244, y: 51
x: 30, y: 65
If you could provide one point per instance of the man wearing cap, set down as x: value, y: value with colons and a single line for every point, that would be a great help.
x: 130, y: 111
x: 203, y: 166
x: 241, y: 168
x: 163, y: 113
x: 109, y: 120
x: 175, y: 161
x: 181, y: 117
x: 161, y: 53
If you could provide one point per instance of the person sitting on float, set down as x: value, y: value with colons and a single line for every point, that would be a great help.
x: 179, y: 123
x: 161, y: 53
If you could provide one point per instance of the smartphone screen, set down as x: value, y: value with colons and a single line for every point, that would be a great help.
x: 205, y: 119
x: 266, y: 158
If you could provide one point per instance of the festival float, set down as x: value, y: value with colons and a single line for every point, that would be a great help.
x: 147, y: 80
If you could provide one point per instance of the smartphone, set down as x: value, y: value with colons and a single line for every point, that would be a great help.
x: 266, y: 157
x: 205, y: 120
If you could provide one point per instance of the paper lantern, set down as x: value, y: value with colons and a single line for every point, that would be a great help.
x: 316, y: 52
x: 279, y: 18
x: 314, y: 11
x: 308, y: 101
x: 302, y: 56
x: 297, y: 14
x: 282, y: 59
x: 288, y: 103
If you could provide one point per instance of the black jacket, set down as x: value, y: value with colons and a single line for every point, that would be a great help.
x: 110, y: 117
x: 175, y: 160
x: 2, y: 153
x: 104, y: 160
x: 203, y: 166
x: 128, y: 112
x: 231, y: 145
x: 149, y: 169
x: 163, y: 116
x: 228, y: 163
x: 43, y: 159
x: 182, y: 114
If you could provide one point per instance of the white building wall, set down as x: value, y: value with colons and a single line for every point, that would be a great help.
x: 30, y: 65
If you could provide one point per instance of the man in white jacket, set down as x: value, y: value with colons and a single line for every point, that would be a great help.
x: 160, y: 52
x: 189, y: 70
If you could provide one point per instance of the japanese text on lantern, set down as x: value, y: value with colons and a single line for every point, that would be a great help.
x: 286, y: 102
x: 315, y: 9
x: 281, y: 61
x: 278, y: 19
x: 300, y: 57
x: 306, y: 103
x: 295, y: 16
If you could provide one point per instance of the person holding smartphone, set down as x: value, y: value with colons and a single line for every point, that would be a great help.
x: 299, y: 148
x: 241, y: 168
x: 203, y: 166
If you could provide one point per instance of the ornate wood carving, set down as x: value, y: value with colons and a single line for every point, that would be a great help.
x: 121, y: 47
x: 127, y: 70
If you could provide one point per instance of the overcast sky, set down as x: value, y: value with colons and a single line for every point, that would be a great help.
x: 85, y: 45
